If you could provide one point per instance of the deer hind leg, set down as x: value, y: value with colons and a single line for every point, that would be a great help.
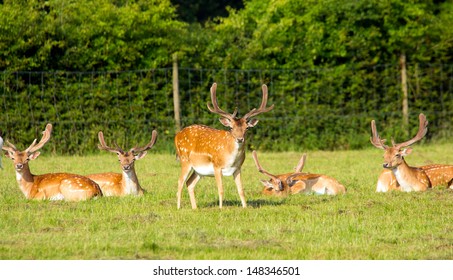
x: 77, y: 189
x: 238, y: 181
x: 450, y: 184
x: 185, y: 171
x: 191, y: 182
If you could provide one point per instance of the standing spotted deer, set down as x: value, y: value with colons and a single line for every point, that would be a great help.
x: 210, y: 152
x: 298, y: 182
x: 52, y: 186
x: 398, y: 175
x: 125, y: 183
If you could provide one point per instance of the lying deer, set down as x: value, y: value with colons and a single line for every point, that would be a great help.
x: 298, y: 182
x: 438, y: 174
x: 52, y: 186
x: 211, y: 152
x: 125, y: 183
x: 400, y: 176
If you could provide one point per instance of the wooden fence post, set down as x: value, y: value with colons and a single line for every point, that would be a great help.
x: 176, y: 99
x: 405, y: 95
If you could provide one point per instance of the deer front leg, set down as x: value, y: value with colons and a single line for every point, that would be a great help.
x: 386, y: 181
x: 238, y: 181
x: 218, y: 179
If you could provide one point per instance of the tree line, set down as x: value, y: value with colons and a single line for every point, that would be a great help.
x: 333, y: 54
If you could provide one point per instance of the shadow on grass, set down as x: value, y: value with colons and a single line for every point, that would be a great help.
x: 256, y: 203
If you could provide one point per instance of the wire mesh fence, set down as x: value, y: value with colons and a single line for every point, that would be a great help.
x: 314, y: 109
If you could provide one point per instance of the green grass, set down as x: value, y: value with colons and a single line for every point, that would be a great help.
x: 361, y: 224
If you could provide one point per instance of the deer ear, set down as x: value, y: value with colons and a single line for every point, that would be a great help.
x: 34, y: 155
x: 140, y: 155
x: 9, y: 154
x: 406, y: 151
x: 267, y: 184
x: 226, y: 122
x: 252, y: 123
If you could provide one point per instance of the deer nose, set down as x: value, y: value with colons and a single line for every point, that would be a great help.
x: 240, y: 140
x: 127, y: 167
x: 386, y: 165
x: 19, y: 166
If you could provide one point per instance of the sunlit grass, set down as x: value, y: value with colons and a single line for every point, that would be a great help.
x: 361, y: 224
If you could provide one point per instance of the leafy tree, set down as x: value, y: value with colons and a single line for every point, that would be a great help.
x: 298, y: 34
x: 88, y: 35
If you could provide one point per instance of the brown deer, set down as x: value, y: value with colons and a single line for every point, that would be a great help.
x: 212, y: 152
x: 407, y: 178
x: 125, y: 183
x: 52, y: 186
x: 298, y: 182
x: 438, y: 174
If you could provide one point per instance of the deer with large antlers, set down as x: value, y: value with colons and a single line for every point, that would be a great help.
x: 125, y: 183
x: 298, y: 182
x: 52, y: 186
x: 402, y: 176
x: 211, y: 152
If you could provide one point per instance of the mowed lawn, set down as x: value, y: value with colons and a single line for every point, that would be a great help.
x: 361, y: 224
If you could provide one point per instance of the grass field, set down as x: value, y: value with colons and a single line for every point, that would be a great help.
x: 361, y: 224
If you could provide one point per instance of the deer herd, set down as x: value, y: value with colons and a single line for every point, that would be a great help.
x: 205, y: 151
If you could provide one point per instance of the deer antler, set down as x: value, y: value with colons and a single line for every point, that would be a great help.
x: 289, y: 180
x: 375, y: 139
x: 216, y: 108
x: 148, y: 146
x: 103, y: 146
x: 262, y: 108
x: 301, y: 163
x: 46, y: 136
x: 261, y: 169
x: 422, y: 130
x: 9, y: 147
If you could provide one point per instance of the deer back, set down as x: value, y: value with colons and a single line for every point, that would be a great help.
x: 202, y: 145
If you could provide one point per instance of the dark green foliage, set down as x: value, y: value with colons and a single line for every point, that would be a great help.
x: 320, y: 109
x: 331, y: 67
x: 203, y: 10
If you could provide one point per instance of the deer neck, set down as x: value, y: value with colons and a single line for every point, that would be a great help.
x: 130, y: 182
x: 406, y: 177
x: 25, y: 180
x: 237, y: 153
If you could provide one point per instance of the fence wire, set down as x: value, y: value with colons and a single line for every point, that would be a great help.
x: 314, y: 108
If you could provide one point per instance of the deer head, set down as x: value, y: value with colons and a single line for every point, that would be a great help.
x: 394, y: 156
x: 278, y: 182
x: 128, y: 158
x: 21, y: 158
x: 238, y: 126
